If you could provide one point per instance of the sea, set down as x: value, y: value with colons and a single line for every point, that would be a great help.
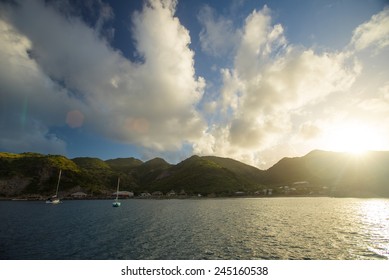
x: 298, y: 228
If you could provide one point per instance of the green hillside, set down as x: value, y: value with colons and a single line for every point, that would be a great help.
x: 201, y: 175
x: 91, y: 163
x: 247, y: 173
x: 317, y: 173
x: 150, y: 171
x: 123, y: 164
x: 37, y: 173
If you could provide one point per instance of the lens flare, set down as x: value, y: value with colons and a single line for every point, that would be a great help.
x: 352, y: 138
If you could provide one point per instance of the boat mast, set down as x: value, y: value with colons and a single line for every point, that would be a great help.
x: 117, y: 190
x: 59, y: 178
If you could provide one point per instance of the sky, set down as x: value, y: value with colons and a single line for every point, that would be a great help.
x: 251, y: 80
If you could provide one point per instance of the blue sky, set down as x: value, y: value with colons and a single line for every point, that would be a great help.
x: 251, y: 80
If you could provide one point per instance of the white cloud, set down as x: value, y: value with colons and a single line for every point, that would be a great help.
x: 28, y: 97
x: 218, y: 36
x: 277, y: 100
x: 280, y: 99
x: 151, y: 104
x: 270, y: 83
x: 373, y: 33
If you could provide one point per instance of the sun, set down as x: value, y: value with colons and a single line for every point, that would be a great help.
x: 354, y: 138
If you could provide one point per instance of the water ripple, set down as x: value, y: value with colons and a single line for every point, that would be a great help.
x: 278, y: 228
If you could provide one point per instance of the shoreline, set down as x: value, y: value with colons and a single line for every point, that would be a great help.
x: 18, y: 199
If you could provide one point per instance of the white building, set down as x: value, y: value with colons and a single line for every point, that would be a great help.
x: 79, y: 195
x: 124, y: 194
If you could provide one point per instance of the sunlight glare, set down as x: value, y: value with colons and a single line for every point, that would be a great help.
x: 375, y: 214
x: 353, y: 138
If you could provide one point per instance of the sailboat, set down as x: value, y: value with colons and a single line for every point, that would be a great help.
x: 54, y: 199
x: 117, y: 203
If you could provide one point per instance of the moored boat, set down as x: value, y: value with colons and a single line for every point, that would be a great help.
x: 117, y: 203
x: 55, y: 199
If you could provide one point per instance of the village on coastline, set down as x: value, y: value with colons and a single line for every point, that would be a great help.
x: 298, y: 189
x: 303, y: 188
x: 31, y: 176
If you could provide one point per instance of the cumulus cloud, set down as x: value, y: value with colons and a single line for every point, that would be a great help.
x: 274, y: 99
x: 30, y: 102
x: 373, y: 33
x: 80, y: 80
x: 100, y: 14
x: 280, y: 99
x: 271, y: 81
x: 260, y: 42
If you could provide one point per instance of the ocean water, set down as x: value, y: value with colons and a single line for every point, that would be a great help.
x: 239, y: 228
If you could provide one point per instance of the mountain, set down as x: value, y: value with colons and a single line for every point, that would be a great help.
x: 207, y: 175
x: 91, y: 163
x: 96, y: 175
x: 32, y: 173
x: 124, y: 164
x: 150, y: 171
x: 315, y: 167
x: 317, y: 173
x: 343, y: 173
x: 248, y: 173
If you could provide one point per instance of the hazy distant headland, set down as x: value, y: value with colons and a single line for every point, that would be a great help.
x: 319, y: 173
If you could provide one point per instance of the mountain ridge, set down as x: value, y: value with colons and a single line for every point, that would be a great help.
x: 316, y: 173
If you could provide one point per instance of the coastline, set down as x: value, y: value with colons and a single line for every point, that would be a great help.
x: 18, y: 199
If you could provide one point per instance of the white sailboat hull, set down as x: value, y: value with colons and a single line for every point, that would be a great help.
x: 116, y: 204
x: 53, y: 202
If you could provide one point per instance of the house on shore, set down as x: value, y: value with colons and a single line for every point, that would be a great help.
x: 157, y: 194
x: 171, y: 193
x: 145, y: 194
x: 79, y: 195
x: 268, y: 191
x: 124, y: 194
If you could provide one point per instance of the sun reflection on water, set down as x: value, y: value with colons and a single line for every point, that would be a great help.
x: 375, y: 216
